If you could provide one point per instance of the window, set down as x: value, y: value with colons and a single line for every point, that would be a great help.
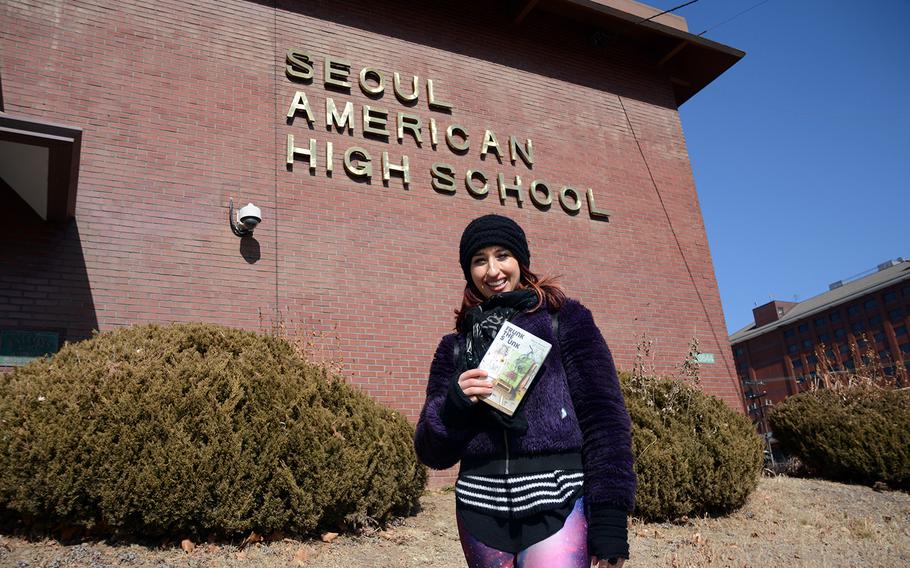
x: 906, y: 291
x: 896, y: 314
x: 812, y: 359
x: 839, y: 333
x: 835, y: 317
x: 797, y: 364
x: 740, y: 351
x: 844, y: 349
x: 807, y: 344
x: 900, y: 330
x: 875, y: 320
x: 793, y: 349
x: 790, y: 332
x: 848, y: 364
x: 879, y: 336
x: 861, y: 343
x: 890, y: 297
x: 804, y: 328
x: 741, y: 366
x: 884, y: 355
x: 870, y: 304
x: 829, y: 353
x: 823, y: 338
x: 835, y: 367
x: 853, y: 310
x: 905, y: 347
x: 858, y: 327
x: 888, y: 370
x: 821, y: 322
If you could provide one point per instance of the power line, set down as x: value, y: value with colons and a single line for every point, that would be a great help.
x: 668, y: 11
x: 679, y: 246
x: 733, y: 17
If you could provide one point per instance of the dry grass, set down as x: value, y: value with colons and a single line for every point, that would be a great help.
x: 787, y: 522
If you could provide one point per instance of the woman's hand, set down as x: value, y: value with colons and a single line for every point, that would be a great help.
x: 598, y: 563
x: 474, y: 384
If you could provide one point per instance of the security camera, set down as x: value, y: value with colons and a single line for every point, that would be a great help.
x: 248, y: 218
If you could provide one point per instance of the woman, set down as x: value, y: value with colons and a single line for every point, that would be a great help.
x: 551, y: 485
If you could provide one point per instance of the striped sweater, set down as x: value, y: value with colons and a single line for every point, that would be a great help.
x: 516, y: 496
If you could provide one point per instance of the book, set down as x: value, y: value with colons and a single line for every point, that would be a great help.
x: 511, y: 363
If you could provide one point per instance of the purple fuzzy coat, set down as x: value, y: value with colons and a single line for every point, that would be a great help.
x: 578, y: 380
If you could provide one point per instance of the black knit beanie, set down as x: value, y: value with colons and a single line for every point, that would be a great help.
x: 492, y: 230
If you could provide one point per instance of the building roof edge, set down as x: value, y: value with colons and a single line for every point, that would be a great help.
x: 900, y: 271
x: 692, y: 62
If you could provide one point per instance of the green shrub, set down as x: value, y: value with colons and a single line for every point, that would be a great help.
x: 195, y: 428
x: 693, y: 454
x: 858, y: 434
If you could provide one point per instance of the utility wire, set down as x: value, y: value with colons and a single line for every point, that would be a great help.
x: 679, y: 246
x: 668, y: 11
x: 733, y: 17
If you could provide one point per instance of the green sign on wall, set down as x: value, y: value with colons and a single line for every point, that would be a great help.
x: 706, y: 358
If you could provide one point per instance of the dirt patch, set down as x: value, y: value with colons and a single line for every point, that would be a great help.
x: 787, y: 522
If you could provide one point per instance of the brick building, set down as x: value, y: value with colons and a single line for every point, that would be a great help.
x: 369, y: 134
x: 862, y: 321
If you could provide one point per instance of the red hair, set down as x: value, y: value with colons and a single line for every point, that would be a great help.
x: 548, y: 290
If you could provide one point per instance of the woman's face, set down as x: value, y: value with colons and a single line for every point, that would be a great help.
x: 495, y: 270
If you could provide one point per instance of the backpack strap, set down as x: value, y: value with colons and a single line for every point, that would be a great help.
x: 456, y: 351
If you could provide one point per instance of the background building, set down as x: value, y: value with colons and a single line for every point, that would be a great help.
x: 127, y: 128
x: 858, y: 322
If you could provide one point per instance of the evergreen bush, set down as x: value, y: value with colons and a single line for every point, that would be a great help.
x: 693, y: 454
x: 198, y: 429
x: 859, y: 433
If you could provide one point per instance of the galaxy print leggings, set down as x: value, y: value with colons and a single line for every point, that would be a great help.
x: 568, y: 548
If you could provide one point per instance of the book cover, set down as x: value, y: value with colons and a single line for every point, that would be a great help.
x: 511, y: 363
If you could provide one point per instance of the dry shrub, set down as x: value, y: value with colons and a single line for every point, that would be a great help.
x: 196, y: 428
x: 855, y: 431
x: 693, y: 454
x: 869, y: 369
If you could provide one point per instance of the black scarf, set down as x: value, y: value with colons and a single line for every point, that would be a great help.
x: 481, y: 324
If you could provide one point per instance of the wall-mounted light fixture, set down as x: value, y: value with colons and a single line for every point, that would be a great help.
x: 248, y: 217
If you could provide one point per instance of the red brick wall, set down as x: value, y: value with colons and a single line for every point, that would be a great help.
x: 183, y: 105
x: 767, y: 361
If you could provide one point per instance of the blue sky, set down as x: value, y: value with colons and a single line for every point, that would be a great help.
x: 801, y: 151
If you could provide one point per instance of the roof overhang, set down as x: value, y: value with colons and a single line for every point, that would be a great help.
x: 690, y: 61
x: 40, y: 162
